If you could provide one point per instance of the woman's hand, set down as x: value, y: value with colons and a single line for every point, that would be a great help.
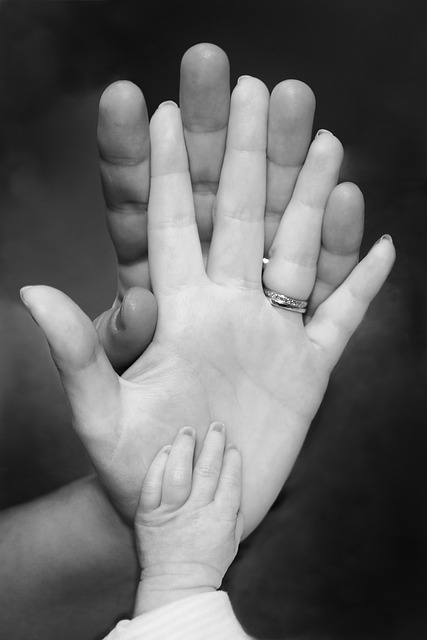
x: 221, y: 351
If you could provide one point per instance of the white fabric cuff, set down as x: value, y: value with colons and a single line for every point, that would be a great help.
x: 207, y: 616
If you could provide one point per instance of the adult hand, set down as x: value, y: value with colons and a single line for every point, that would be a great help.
x: 220, y: 352
x: 127, y: 328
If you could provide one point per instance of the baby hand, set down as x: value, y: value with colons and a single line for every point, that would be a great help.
x: 188, y: 525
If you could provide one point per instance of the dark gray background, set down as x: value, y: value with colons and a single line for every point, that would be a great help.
x: 343, y: 552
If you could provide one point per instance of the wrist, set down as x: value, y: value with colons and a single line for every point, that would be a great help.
x: 165, y: 583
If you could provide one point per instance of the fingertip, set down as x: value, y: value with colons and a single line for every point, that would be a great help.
x: 296, y: 95
x: 205, y: 88
x: 249, y: 89
x: 179, y: 469
x: 384, y: 249
x: 233, y: 451
x: 167, y: 108
x: 139, y: 311
x: 234, y: 462
x: 126, y: 330
x: 124, y: 94
x: 123, y: 124
x: 349, y: 194
x: 168, y: 150
x: 22, y: 293
x: 45, y: 302
x: 229, y: 490
x: 204, y: 53
x: 218, y: 427
x: 326, y: 145
x: 290, y: 124
x: 188, y: 431
x: 151, y: 489
x: 343, y: 222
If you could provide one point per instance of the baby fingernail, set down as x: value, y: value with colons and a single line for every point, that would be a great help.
x: 319, y: 133
x: 217, y: 426
x: 167, y: 448
x: 232, y: 446
x: 242, y: 78
x: 188, y: 431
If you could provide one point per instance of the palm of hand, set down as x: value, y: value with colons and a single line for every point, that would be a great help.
x: 252, y: 368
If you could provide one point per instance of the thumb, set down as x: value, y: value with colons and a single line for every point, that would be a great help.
x: 90, y: 383
x: 125, y: 331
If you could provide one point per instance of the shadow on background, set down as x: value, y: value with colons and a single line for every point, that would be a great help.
x: 343, y: 552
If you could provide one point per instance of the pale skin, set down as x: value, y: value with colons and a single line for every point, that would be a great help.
x: 127, y: 328
x: 188, y: 524
x: 78, y: 510
x: 220, y: 350
x: 123, y: 139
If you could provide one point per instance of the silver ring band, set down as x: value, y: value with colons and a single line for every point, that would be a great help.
x: 280, y: 300
x: 285, y: 302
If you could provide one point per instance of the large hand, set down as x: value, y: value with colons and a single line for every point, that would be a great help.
x: 124, y: 145
x: 220, y: 351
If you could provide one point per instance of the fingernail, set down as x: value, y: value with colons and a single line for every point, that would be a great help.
x: 166, y: 103
x: 242, y: 78
x: 167, y: 448
x: 22, y: 292
x: 319, y: 133
x: 387, y: 237
x: 232, y: 446
x: 187, y: 431
x: 217, y: 426
x: 117, y: 319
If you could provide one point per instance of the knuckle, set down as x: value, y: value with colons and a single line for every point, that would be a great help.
x: 232, y: 477
x: 149, y: 487
x: 206, y: 470
x: 178, y: 477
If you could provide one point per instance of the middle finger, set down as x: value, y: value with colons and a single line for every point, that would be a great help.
x: 238, y: 238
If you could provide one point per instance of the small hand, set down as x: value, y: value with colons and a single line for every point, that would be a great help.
x: 187, y: 524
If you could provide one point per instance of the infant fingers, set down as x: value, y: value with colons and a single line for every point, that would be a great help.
x: 179, y: 469
x: 208, y: 466
x: 228, y: 495
x: 151, y: 491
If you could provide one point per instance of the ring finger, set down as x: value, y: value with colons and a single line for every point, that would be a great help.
x: 295, y: 249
